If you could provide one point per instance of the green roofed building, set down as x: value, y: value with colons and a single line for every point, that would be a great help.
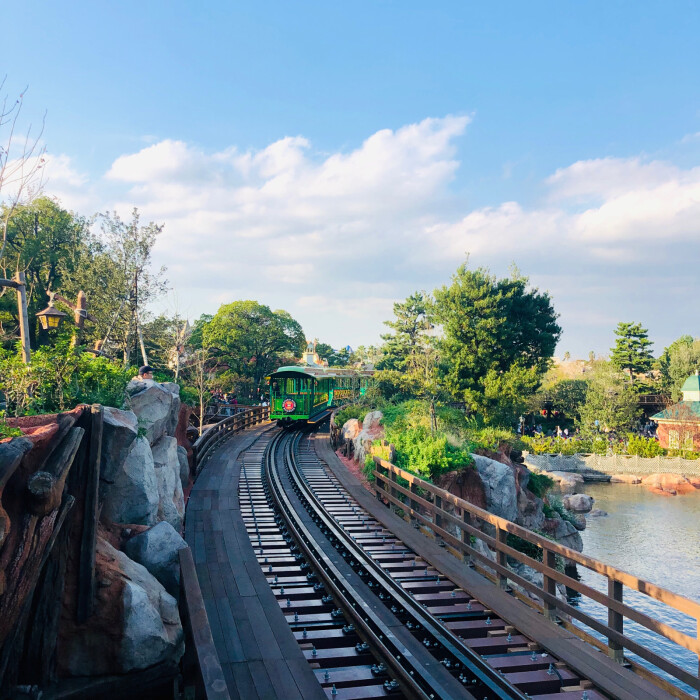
x: 679, y: 425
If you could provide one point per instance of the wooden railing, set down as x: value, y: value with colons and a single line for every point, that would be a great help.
x: 203, y: 677
x: 215, y: 435
x: 436, y: 509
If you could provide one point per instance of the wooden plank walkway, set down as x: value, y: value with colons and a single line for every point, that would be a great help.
x: 257, y: 650
x: 609, y: 676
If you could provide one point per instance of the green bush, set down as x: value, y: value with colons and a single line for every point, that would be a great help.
x: 554, y: 505
x: 59, y: 378
x: 5, y: 430
x: 643, y: 446
x: 540, y: 484
x: 425, y: 454
x: 350, y: 411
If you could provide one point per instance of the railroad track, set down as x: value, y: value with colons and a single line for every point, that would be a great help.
x: 373, y: 619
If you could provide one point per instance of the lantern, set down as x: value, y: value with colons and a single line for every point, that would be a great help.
x: 50, y: 318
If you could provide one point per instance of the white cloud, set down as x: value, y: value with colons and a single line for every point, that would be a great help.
x: 337, y: 238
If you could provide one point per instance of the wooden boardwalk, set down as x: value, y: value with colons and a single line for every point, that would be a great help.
x: 257, y: 650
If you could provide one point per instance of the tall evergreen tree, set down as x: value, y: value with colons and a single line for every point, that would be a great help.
x: 412, y: 321
x: 632, y: 351
x: 679, y: 360
x: 499, y: 337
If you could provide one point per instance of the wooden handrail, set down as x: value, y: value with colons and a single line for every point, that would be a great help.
x: 211, y: 437
x: 201, y: 665
x: 387, y: 487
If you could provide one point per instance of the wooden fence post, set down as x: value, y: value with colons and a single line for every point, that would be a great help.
x: 465, y: 536
x: 549, y: 584
x: 502, y: 557
x: 615, y: 621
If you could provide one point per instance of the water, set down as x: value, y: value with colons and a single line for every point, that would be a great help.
x: 655, y: 538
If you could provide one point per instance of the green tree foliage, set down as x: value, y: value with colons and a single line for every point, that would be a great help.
x: 409, y: 327
x: 677, y: 362
x: 499, y: 337
x: 632, y: 349
x: 610, y: 400
x: 566, y: 396
x: 251, y: 339
x: 46, y: 242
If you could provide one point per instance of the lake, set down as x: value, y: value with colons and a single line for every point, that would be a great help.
x: 655, y: 538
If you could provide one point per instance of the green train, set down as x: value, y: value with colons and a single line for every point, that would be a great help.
x: 299, y: 393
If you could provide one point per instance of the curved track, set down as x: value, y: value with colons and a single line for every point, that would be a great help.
x: 373, y: 619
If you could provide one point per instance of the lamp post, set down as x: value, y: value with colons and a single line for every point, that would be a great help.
x: 20, y: 284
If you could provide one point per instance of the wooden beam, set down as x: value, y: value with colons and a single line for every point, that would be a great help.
x: 88, y: 542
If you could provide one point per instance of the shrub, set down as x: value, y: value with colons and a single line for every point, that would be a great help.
x: 5, y: 430
x: 425, y: 454
x: 644, y: 447
x: 540, y: 484
x: 555, y: 505
x: 352, y: 410
x: 60, y: 378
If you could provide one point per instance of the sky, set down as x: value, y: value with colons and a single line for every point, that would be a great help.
x: 331, y: 158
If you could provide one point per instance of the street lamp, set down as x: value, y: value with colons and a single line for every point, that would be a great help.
x: 50, y: 318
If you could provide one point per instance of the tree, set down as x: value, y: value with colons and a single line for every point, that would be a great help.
x: 45, y: 242
x: 677, y: 362
x: 411, y: 321
x: 498, y: 339
x: 631, y: 352
x: 199, y: 374
x: 569, y: 396
x: 250, y: 338
x: 610, y: 400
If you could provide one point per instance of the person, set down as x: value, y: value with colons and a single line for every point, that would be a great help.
x: 145, y: 372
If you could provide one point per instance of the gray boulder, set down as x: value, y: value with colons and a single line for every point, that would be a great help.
x: 171, y: 501
x: 132, y: 495
x: 564, y: 533
x: 136, y: 626
x: 119, y: 430
x: 500, y: 487
x: 157, y: 549
x: 184, y: 466
x: 171, y: 424
x: 579, y: 502
x: 153, y: 405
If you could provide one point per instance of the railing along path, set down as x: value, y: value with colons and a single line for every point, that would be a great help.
x: 214, y: 436
x: 465, y: 516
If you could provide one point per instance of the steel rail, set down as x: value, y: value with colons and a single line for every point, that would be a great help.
x: 442, y: 638
x: 415, y: 680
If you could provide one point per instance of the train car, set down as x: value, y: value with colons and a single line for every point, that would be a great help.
x: 306, y: 393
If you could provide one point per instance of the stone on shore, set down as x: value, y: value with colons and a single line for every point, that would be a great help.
x: 157, y: 549
x: 132, y: 494
x: 499, y: 487
x: 171, y: 501
x: 668, y: 484
x: 625, y: 479
x: 598, y: 513
x: 579, y: 502
x: 563, y: 532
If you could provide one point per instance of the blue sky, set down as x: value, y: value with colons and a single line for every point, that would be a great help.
x: 278, y: 137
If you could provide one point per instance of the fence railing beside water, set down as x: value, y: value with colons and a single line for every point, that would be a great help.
x: 215, y: 435
x: 615, y: 464
x: 439, y: 510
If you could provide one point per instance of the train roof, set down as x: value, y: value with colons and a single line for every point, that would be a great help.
x: 320, y: 372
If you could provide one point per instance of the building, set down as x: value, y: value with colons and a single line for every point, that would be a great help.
x: 679, y: 425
